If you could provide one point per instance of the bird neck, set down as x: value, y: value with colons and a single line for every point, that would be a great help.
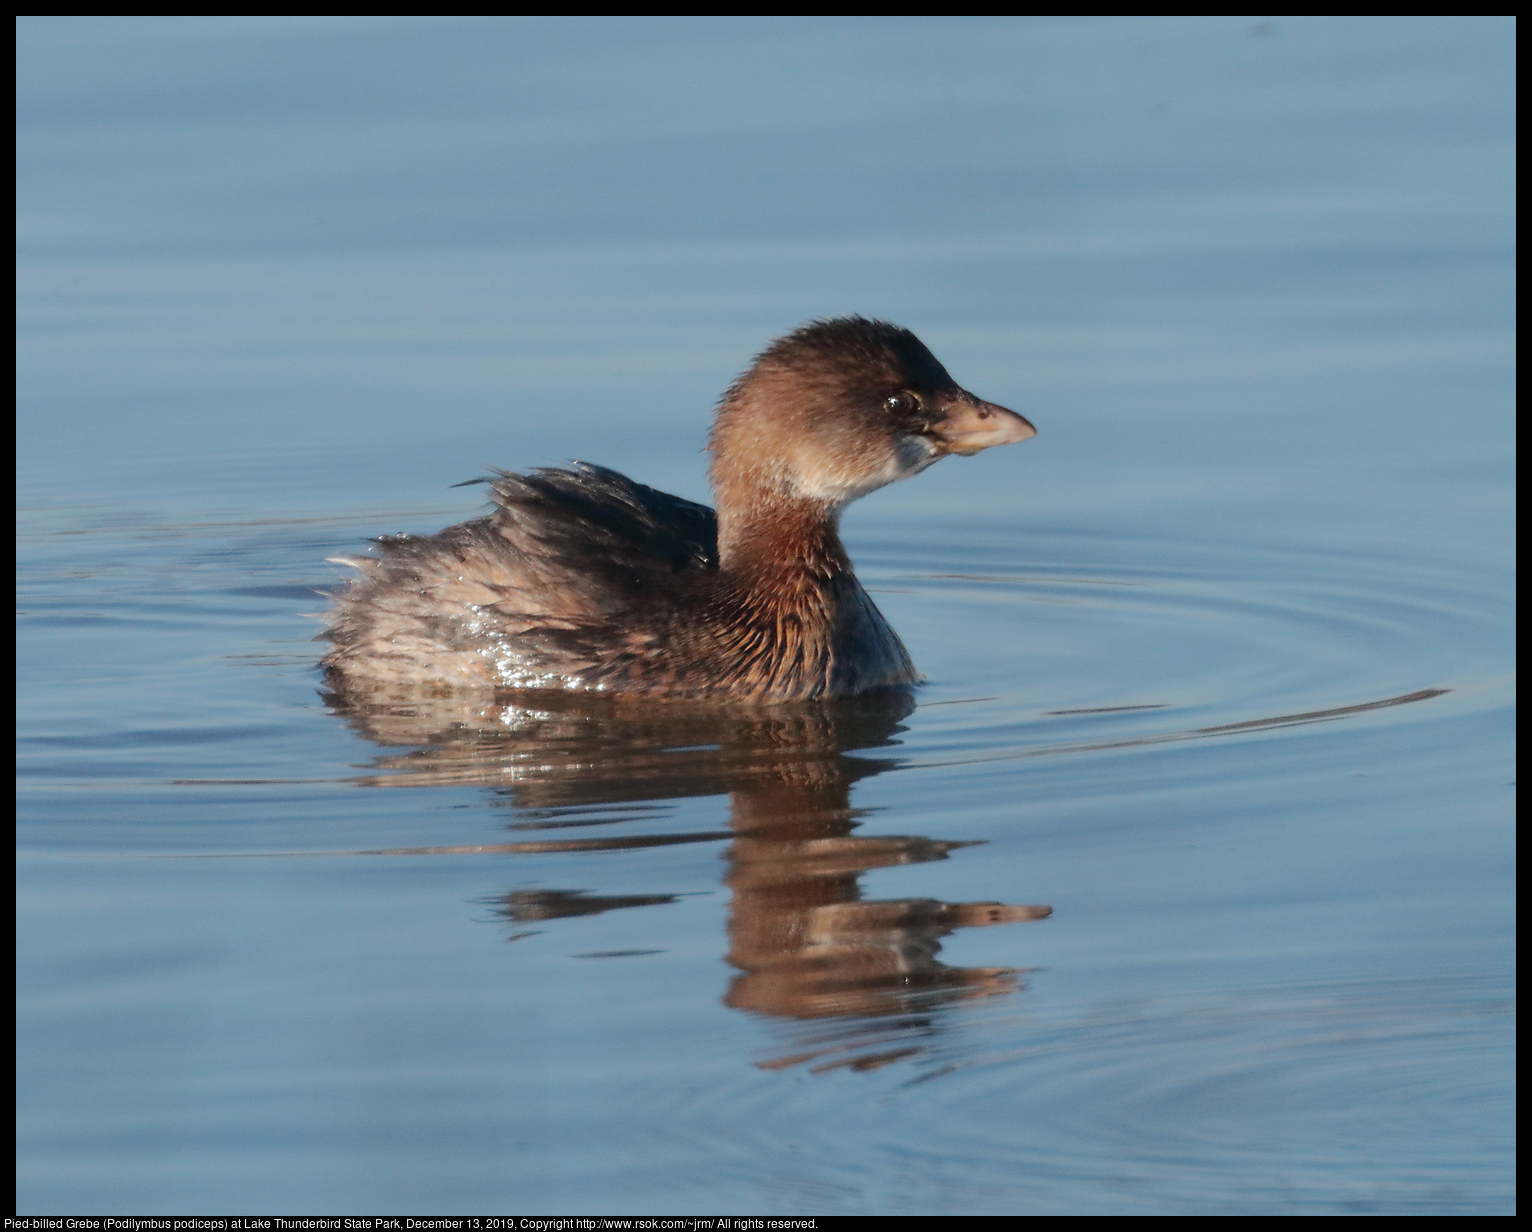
x: 771, y: 537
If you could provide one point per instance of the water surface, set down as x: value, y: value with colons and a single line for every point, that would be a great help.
x: 1181, y: 887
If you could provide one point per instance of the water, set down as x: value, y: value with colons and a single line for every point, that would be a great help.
x: 1183, y: 889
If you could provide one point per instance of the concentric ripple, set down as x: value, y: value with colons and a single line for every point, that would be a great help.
x: 1295, y: 1100
x: 1087, y: 641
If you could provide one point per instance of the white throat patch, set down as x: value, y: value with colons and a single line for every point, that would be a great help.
x: 909, y: 456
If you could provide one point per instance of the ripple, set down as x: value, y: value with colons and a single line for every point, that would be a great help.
x: 1080, y: 646
x: 1342, y: 1098
x: 1353, y: 1094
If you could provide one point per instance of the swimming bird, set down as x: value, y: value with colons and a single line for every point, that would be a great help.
x: 584, y: 579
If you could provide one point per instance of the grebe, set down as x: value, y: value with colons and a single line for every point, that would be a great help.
x: 583, y: 579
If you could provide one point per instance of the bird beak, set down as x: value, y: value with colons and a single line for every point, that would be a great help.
x: 973, y: 424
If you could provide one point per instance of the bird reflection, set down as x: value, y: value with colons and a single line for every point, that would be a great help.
x: 805, y: 942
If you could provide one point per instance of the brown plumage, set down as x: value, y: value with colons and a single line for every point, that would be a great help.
x: 584, y: 579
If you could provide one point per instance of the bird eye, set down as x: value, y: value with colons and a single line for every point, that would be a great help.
x: 901, y: 404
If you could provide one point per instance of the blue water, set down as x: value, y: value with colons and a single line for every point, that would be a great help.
x: 1219, y: 664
